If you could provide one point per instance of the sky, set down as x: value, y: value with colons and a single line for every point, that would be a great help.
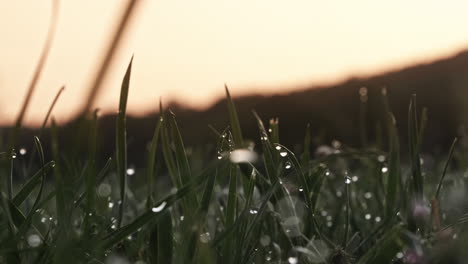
x: 187, y: 50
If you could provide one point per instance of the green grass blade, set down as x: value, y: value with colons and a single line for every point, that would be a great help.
x: 151, y: 162
x: 394, y: 173
x: 306, y: 153
x: 111, y: 49
x: 32, y: 183
x: 38, y: 71
x: 60, y: 202
x: 447, y: 163
x: 164, y: 237
x: 167, y: 151
x: 234, y: 120
x: 414, y: 142
x: 121, y: 144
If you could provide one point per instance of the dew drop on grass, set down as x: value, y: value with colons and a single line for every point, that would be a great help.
x: 339, y: 194
x: 110, y: 205
x: 283, y: 153
x: 367, y: 195
x: 158, y: 208
x: 205, y: 237
x: 104, y: 190
x: 381, y: 158
x: 253, y: 211
x: 22, y: 151
x: 378, y: 219
x: 130, y: 171
x: 324, y: 213
x: 301, y: 189
x: 367, y: 216
x: 384, y: 169
x: 347, y: 180
x: 355, y: 178
x: 278, y: 147
x: 182, y: 218
x: 399, y: 255
x: 292, y: 260
x: 287, y: 165
x: 13, y: 155
x: 34, y: 240
x: 329, y: 224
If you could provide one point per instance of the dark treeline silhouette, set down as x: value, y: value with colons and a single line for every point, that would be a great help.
x: 332, y: 112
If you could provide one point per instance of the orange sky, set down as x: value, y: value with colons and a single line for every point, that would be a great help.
x: 187, y: 50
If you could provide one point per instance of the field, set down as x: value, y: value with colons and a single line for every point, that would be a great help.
x: 238, y: 203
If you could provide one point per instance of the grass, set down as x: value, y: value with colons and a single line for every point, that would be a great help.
x: 368, y: 205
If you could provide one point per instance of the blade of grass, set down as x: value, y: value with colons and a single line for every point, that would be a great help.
x: 394, y: 173
x: 121, y: 142
x: 167, y: 152
x: 234, y: 120
x: 33, y: 182
x: 447, y: 163
x: 38, y: 71
x: 112, y: 48
x: 150, y: 163
x: 60, y: 202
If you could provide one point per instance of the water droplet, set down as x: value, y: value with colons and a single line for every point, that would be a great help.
x: 339, y: 193
x: 367, y: 216
x: 301, y: 189
x: 13, y: 155
x: 270, y: 130
x: 182, y: 218
x: 43, y: 220
x: 355, y: 178
x: 384, y: 169
x: 34, y: 240
x: 381, y: 158
x: 278, y: 147
x: 283, y: 153
x: 287, y: 165
x: 378, y: 219
x: 205, y: 237
x: 329, y: 224
x: 292, y: 260
x: 22, y: 151
x: 130, y: 171
x: 347, y: 180
x: 367, y: 195
x: 324, y: 213
x: 104, y: 190
x: 129, y: 237
x: 219, y: 156
x: 399, y: 255
x: 253, y: 211
x: 113, y: 226
x: 159, y: 208
x: 327, y: 173
x: 329, y: 218
x: 111, y: 205
x: 52, y: 164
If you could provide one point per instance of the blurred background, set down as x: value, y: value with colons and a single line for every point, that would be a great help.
x: 303, y: 61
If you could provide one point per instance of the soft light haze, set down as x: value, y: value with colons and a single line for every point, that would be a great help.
x: 187, y: 50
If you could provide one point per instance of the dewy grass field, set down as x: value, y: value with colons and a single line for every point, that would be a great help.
x: 244, y: 204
